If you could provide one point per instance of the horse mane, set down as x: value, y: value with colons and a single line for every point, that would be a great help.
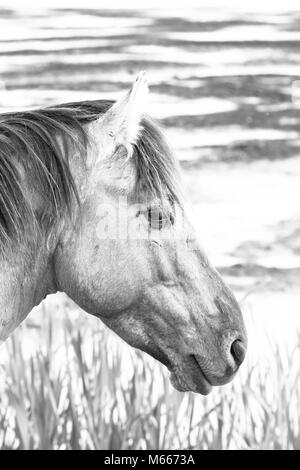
x: 39, y: 142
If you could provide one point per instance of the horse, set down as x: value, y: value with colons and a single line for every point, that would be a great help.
x: 91, y: 204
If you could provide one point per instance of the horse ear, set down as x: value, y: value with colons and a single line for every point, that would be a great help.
x: 120, y: 125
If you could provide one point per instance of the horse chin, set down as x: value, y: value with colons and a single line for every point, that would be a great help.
x: 183, y: 383
x: 186, y: 374
x: 186, y: 377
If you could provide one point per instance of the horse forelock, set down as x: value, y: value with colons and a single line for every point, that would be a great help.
x: 38, y: 141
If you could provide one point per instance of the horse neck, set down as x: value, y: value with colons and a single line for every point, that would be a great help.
x: 25, y: 279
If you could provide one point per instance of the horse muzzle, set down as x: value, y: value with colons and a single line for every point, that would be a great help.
x: 199, y: 374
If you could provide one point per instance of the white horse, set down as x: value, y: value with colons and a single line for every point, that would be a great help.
x: 90, y: 205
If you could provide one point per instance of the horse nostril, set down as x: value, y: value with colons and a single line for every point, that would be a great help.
x: 238, y: 351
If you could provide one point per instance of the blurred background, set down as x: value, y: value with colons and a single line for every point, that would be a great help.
x: 225, y: 85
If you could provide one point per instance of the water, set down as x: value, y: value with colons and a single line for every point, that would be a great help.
x: 224, y: 86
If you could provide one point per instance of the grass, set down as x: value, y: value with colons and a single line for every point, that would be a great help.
x: 74, y: 385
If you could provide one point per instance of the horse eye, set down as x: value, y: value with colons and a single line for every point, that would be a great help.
x: 158, y: 219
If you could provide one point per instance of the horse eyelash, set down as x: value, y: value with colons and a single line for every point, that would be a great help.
x: 161, y: 218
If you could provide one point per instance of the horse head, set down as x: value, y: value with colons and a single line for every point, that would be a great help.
x: 126, y: 251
